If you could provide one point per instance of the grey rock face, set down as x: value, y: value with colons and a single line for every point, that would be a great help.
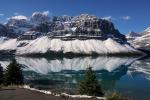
x: 83, y: 24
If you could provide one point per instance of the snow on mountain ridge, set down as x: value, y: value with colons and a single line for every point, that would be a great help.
x: 83, y: 24
x: 44, y: 44
x: 147, y: 29
x: 132, y: 35
x: 142, y: 41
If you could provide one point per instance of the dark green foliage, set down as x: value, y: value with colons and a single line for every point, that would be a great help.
x: 90, y: 85
x: 1, y: 74
x: 13, y: 74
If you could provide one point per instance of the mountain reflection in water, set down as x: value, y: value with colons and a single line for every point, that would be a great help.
x: 45, y: 66
x: 129, y: 75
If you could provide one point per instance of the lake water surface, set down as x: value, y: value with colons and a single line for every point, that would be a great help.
x: 127, y: 75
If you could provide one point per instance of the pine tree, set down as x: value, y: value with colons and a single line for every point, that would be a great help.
x: 13, y: 74
x: 1, y: 74
x: 90, y: 85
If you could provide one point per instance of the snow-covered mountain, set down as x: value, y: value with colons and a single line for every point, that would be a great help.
x: 36, y: 34
x: 39, y: 17
x: 19, y: 21
x: 3, y: 30
x: 132, y: 35
x: 84, y: 24
x: 44, y: 45
x: 142, y: 41
x: 6, y: 32
x: 18, y: 24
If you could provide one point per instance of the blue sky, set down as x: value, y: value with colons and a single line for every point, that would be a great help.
x: 127, y: 15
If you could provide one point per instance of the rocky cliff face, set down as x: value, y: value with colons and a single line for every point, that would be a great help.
x: 18, y: 25
x: 83, y: 24
x: 111, y: 41
x: 6, y: 32
x: 39, y: 17
x: 132, y: 35
x: 3, y: 30
x: 95, y: 24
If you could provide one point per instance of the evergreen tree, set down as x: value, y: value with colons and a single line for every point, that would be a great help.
x: 90, y: 85
x: 13, y: 74
x: 1, y: 74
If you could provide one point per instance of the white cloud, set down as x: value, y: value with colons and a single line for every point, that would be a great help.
x: 2, y: 14
x: 16, y: 13
x: 108, y: 18
x: 112, y: 18
x: 7, y: 18
x: 126, y: 17
x: 19, y: 17
x: 46, y: 12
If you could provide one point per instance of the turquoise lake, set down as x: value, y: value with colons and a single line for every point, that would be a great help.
x: 127, y: 75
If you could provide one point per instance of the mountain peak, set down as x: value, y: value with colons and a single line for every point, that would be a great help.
x: 40, y: 17
x: 142, y: 41
x: 132, y: 35
x: 83, y: 24
x: 147, y: 29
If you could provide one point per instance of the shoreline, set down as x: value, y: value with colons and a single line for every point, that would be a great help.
x: 58, y: 96
x: 62, y: 94
x: 60, y: 54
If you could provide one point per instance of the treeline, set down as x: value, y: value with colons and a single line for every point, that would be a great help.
x: 12, y: 75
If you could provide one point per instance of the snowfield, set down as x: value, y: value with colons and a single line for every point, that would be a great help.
x: 11, y: 44
x: 44, y: 44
